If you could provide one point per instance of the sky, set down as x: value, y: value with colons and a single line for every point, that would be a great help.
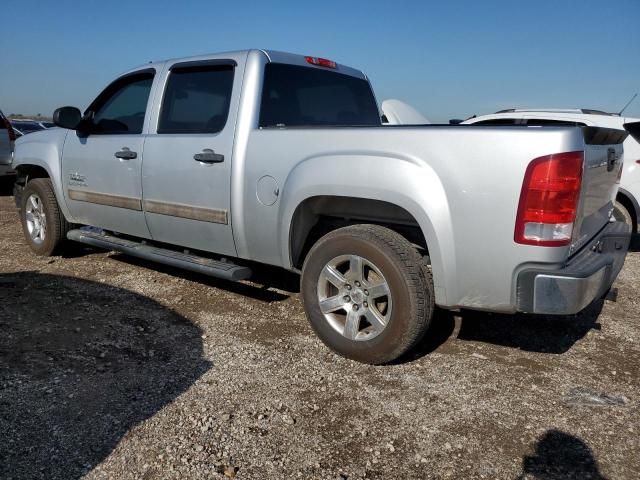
x: 447, y: 59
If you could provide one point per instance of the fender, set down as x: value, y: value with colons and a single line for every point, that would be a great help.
x: 406, y: 182
x: 44, y: 149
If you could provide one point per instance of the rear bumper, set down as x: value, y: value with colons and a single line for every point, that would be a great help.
x: 586, y: 276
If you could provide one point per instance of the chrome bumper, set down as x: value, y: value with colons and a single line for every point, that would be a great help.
x: 587, y: 275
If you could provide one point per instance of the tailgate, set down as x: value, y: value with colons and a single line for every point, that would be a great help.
x: 600, y: 181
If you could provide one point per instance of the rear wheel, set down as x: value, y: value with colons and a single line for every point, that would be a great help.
x: 622, y: 214
x: 367, y: 293
x: 43, y: 224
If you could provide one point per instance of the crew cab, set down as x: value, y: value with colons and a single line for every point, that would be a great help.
x: 217, y: 162
x: 627, y: 204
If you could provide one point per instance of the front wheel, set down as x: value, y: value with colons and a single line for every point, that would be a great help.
x: 43, y: 224
x: 367, y: 293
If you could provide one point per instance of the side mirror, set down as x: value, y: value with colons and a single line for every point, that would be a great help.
x: 67, y: 117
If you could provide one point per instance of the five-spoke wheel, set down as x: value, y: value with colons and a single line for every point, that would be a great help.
x: 43, y: 223
x: 367, y: 293
x: 35, y: 218
x: 354, y: 297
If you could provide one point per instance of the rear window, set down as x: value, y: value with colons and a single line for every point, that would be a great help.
x: 304, y: 96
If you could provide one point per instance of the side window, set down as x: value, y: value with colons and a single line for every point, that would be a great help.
x: 196, y: 99
x: 543, y: 122
x: 121, y: 108
x: 501, y: 122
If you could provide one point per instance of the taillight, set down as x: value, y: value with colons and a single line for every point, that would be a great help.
x: 549, y: 200
x: 7, y: 124
x: 320, y: 62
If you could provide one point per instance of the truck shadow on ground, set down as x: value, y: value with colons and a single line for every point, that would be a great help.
x: 532, y: 333
x: 560, y: 456
x: 81, y: 363
x: 261, y: 287
x: 634, y: 245
x: 6, y: 186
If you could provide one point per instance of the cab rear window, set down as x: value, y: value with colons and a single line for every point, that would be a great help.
x: 295, y: 96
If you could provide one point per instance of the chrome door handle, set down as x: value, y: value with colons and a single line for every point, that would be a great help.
x: 126, y: 154
x: 208, y: 156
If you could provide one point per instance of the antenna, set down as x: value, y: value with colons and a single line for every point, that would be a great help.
x: 628, y: 103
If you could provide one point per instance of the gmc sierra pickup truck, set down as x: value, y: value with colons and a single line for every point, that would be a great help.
x: 216, y: 162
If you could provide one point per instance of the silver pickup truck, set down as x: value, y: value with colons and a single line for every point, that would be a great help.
x: 215, y: 162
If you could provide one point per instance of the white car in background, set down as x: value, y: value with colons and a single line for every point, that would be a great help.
x: 397, y: 112
x: 627, y: 206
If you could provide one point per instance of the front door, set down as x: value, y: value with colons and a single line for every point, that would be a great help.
x: 102, y: 166
x: 186, y: 172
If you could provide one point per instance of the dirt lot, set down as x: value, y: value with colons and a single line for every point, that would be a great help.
x: 115, y: 368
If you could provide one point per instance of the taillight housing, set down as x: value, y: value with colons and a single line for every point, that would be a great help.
x: 549, y: 200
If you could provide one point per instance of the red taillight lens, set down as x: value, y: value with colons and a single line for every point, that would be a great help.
x: 321, y: 62
x: 549, y: 200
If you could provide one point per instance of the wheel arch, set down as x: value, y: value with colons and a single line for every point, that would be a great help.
x: 631, y: 204
x: 402, y: 187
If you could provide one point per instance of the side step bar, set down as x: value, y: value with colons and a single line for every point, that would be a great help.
x: 186, y: 261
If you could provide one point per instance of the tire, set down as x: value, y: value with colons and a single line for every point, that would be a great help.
x: 622, y: 214
x: 38, y: 203
x: 400, y: 313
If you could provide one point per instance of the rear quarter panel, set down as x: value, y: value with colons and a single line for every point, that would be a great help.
x: 462, y: 184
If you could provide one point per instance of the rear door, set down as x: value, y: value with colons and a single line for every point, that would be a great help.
x: 187, y: 161
x: 101, y: 170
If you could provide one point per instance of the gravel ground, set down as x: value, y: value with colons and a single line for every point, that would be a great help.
x: 117, y: 368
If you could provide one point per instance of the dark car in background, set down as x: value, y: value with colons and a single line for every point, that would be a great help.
x: 23, y: 127
x: 7, y: 138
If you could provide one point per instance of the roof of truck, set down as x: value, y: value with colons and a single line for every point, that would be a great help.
x: 273, y: 56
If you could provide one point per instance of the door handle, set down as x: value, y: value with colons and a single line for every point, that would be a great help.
x: 126, y: 154
x: 208, y: 156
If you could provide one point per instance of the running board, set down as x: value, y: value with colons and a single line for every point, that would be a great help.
x: 187, y: 261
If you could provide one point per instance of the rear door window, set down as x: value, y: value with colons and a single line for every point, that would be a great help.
x: 295, y: 96
x: 197, y: 99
